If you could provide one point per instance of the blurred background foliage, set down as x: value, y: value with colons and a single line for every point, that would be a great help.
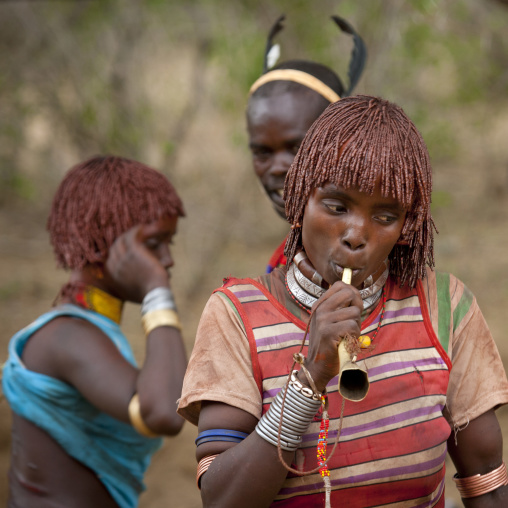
x: 166, y: 82
x: 88, y: 76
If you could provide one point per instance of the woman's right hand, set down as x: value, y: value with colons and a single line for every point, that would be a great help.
x: 336, y: 314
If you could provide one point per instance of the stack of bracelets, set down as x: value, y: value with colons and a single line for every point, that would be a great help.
x: 158, y: 309
x: 300, y: 407
x: 479, y: 484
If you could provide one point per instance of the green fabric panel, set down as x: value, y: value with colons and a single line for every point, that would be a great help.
x: 462, y: 308
x: 444, y: 308
x: 231, y: 304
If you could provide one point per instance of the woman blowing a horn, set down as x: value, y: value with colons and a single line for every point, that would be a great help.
x: 262, y: 380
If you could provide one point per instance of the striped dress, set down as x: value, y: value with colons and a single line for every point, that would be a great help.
x: 392, y: 447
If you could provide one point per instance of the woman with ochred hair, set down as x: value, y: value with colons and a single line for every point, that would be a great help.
x: 86, y: 418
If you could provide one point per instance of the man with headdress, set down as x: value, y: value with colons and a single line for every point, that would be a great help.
x: 283, y: 104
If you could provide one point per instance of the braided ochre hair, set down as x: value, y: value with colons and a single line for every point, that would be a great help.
x: 101, y: 198
x: 362, y: 142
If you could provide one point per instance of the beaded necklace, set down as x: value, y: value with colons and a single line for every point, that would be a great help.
x: 364, y: 342
x: 324, y: 471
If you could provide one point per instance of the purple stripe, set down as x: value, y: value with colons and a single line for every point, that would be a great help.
x: 270, y: 393
x: 405, y: 311
x: 376, y: 475
x: 279, y: 339
x: 394, y: 314
x: 394, y: 471
x: 389, y: 367
x: 248, y: 292
x: 382, y: 422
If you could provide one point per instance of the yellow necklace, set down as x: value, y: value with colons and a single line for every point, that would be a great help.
x: 99, y: 301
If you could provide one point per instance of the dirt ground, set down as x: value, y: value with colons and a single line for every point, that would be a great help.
x: 471, y: 211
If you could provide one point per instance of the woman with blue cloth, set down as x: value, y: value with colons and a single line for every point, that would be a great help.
x: 86, y: 419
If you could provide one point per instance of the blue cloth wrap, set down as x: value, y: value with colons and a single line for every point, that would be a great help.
x: 111, y: 448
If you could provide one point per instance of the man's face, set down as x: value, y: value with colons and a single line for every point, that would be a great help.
x: 276, y: 127
x: 346, y: 228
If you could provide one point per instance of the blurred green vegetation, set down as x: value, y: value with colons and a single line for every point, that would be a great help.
x: 133, y: 77
x: 84, y: 70
x: 167, y: 82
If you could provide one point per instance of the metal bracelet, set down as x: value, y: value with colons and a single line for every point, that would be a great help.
x: 270, y: 433
x: 480, y: 484
x: 294, y: 407
x: 302, y: 402
x: 292, y: 416
x: 157, y: 299
x: 273, y: 440
x: 161, y: 317
x: 290, y: 438
x: 289, y: 424
x: 299, y: 411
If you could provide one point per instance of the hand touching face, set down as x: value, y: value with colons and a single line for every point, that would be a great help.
x: 139, y: 259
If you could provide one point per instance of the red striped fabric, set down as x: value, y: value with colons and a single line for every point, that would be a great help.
x: 393, y: 445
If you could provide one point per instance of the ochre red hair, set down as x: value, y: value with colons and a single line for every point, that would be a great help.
x: 360, y: 142
x: 101, y: 198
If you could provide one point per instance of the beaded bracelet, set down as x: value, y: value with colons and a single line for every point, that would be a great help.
x: 479, y: 484
x: 294, y: 421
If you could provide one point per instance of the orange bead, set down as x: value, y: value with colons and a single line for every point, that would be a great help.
x: 364, y: 341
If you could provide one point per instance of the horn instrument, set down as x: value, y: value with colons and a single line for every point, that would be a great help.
x: 353, y: 379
